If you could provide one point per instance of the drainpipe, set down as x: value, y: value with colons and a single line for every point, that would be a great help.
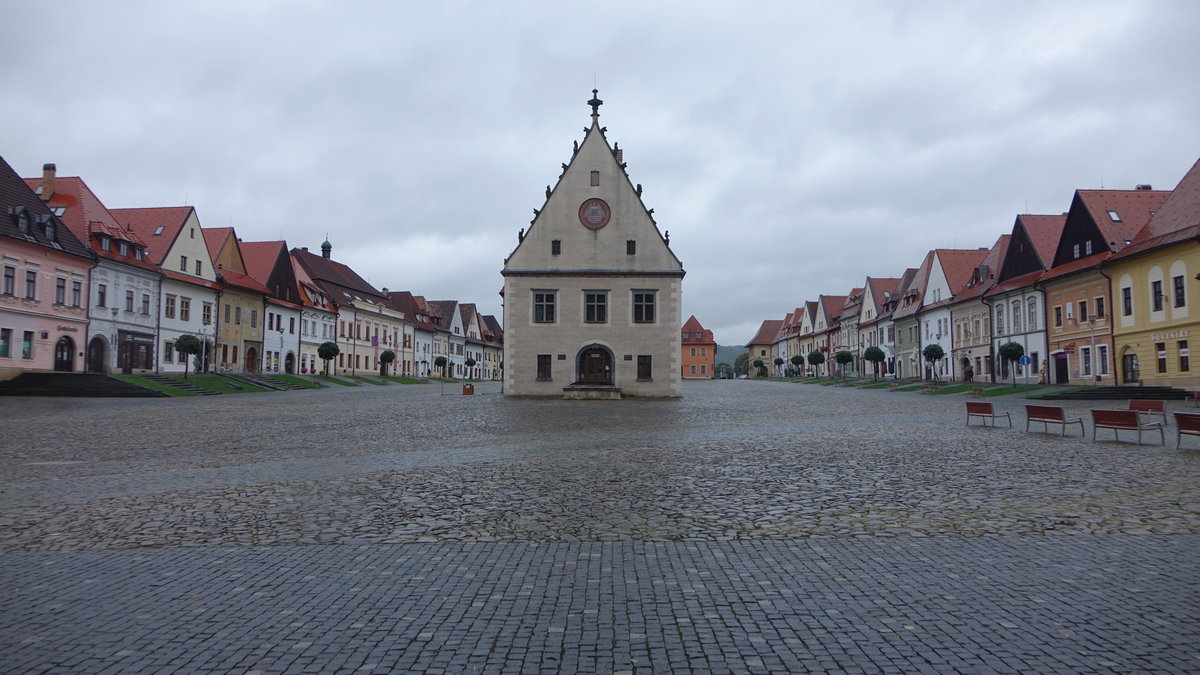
x: 1111, y: 297
x: 217, y: 323
x: 991, y: 328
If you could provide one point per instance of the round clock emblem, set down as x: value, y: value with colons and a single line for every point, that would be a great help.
x: 594, y: 213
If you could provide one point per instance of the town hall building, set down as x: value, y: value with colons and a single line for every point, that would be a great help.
x: 592, y: 292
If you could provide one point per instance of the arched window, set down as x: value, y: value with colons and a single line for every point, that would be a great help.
x: 1016, y: 316
x: 1000, y: 319
x: 1033, y: 313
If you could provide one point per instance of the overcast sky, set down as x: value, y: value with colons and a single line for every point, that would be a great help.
x: 791, y: 148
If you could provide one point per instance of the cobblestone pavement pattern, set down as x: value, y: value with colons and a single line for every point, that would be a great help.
x: 750, y: 527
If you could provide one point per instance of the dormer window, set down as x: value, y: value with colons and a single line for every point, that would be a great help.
x: 159, y: 230
x: 105, y: 244
x: 137, y: 252
x: 51, y: 231
x: 1116, y: 218
x: 124, y: 248
x: 58, y: 210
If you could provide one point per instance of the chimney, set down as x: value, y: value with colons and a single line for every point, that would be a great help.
x: 1144, y: 186
x: 48, y: 172
x: 304, y: 248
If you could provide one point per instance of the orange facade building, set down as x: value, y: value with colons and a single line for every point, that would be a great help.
x: 699, y: 351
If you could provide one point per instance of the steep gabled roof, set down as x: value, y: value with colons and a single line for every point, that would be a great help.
x: 83, y: 212
x: 1044, y: 232
x: 880, y: 289
x: 766, y: 333
x: 15, y: 193
x: 831, y: 309
x: 1133, y: 209
x: 1178, y: 219
x: 693, y: 326
x: 494, y: 329
x: 261, y: 257
x: 341, y: 283
x: 146, y: 222
x: 983, y: 277
x: 913, y: 294
x: 215, y: 238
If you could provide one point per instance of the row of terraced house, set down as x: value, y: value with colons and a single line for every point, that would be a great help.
x: 88, y: 288
x: 1103, y: 293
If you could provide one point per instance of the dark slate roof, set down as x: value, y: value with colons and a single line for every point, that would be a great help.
x: 14, y: 193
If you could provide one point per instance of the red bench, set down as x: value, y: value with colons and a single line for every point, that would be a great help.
x: 1051, y: 414
x: 1124, y: 420
x: 1186, y: 424
x: 1149, y: 407
x: 984, y: 411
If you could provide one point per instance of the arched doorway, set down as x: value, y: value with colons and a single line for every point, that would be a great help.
x: 97, y: 356
x: 595, y: 365
x: 64, y: 355
x: 251, y: 360
x: 289, y: 364
x: 1130, y: 372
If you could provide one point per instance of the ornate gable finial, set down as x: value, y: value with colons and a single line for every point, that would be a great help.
x: 595, y: 103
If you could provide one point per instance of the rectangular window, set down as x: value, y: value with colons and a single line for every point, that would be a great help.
x: 643, y: 307
x: 1102, y: 359
x: 1087, y: 247
x: 1127, y: 301
x: 102, y: 295
x: 543, y: 367
x: 1156, y: 296
x: 1160, y: 350
x: 237, y: 320
x: 644, y: 369
x: 146, y: 305
x: 183, y: 263
x: 292, y: 327
x: 543, y: 306
x: 254, y: 318
x: 1178, y: 292
x: 1075, y: 251
x: 693, y: 370
x: 1085, y: 360
x: 228, y: 310
x: 1184, y: 360
x: 76, y: 293
x: 185, y: 307
x: 60, y: 291
x: 5, y: 343
x: 10, y: 279
x: 198, y: 268
x: 555, y: 247
x: 168, y: 352
x: 30, y: 285
x: 595, y: 306
x: 235, y: 358
x: 631, y: 247
x: 1083, y: 309
x: 1099, y: 308
x: 169, y: 309
x: 128, y: 301
x: 27, y: 345
x: 595, y: 179
x: 206, y: 314
x: 1058, y: 317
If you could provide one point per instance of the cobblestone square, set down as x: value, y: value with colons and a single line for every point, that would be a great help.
x: 749, y: 527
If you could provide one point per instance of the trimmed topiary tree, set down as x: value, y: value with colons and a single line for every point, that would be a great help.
x: 843, y: 359
x: 760, y: 368
x: 441, y: 362
x: 188, y: 345
x: 815, y: 359
x: 1012, y: 352
x: 385, y: 359
x: 876, y: 356
x: 798, y: 362
x: 328, y: 351
x: 933, y: 353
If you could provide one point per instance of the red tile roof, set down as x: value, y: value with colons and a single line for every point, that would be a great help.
x: 1044, y: 232
x: 1133, y: 207
x: 214, y: 239
x: 243, y: 281
x: 260, y: 257
x: 146, y: 221
x: 1178, y: 219
x: 338, y: 280
x: 15, y: 193
x: 766, y: 332
x: 691, y: 327
x: 992, y: 261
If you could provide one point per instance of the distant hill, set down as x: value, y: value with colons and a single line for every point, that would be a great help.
x: 726, y: 354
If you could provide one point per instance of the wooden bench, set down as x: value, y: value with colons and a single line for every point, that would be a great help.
x: 1051, y: 414
x: 1186, y: 424
x: 985, y: 411
x: 1149, y: 407
x: 1127, y: 420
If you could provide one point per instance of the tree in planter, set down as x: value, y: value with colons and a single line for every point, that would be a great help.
x: 385, y: 360
x: 440, y: 362
x: 815, y: 359
x: 469, y: 363
x: 778, y: 362
x: 843, y: 359
x: 189, y: 345
x: 1012, y: 351
x: 328, y: 351
x: 798, y: 362
x: 933, y: 353
x: 876, y: 356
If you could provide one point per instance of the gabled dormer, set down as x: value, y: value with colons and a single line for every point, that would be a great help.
x: 1104, y: 221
